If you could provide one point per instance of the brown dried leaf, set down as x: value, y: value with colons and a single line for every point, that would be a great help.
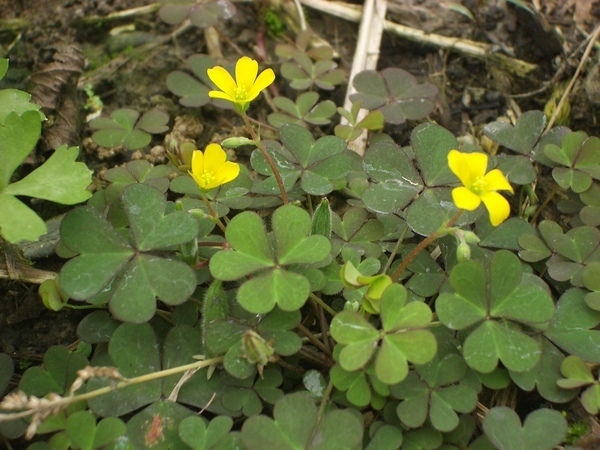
x: 50, y: 79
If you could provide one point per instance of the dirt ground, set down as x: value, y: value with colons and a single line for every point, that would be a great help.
x: 100, y: 56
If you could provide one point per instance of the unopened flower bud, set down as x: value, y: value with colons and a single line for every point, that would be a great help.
x: 463, y: 252
x: 237, y: 141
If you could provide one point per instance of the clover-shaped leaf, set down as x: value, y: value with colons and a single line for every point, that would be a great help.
x: 431, y: 144
x: 83, y: 431
x: 361, y: 386
x: 373, y: 120
x: 303, y: 73
x: 124, y: 128
x: 140, y: 277
x: 543, y: 429
x: 403, y: 337
x: 545, y: 375
x: 578, y: 374
x: 494, y: 297
x: 397, y: 181
x: 138, y: 171
x: 201, y: 15
x: 396, y: 93
x: 523, y: 136
x: 295, y: 425
x: 572, y: 327
x: 304, y: 110
x: 133, y: 349
x: 253, y: 251
x: 193, y: 93
x: 57, y: 375
x: 356, y: 230
x: 320, y: 164
x: 432, y: 208
x: 194, y: 431
x: 157, y: 426
x: 581, y: 156
x: 574, y: 250
x: 435, y: 394
x: 591, y: 278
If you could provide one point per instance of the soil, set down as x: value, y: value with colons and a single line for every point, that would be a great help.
x: 115, y: 66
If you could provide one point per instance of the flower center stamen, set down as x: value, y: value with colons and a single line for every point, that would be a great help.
x: 240, y: 93
x: 207, y: 178
x: 479, y: 186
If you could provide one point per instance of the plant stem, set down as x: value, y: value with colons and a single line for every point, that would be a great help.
x: 267, y: 157
x: 317, y: 343
x: 324, y: 305
x: 421, y: 245
x: 213, y: 214
x: 324, y: 402
x: 65, y: 401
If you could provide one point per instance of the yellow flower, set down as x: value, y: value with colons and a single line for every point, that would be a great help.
x: 246, y: 86
x: 210, y: 169
x: 479, y: 186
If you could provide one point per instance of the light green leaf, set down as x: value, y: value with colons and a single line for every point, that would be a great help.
x: 18, y: 136
x: 286, y: 289
x: 60, y: 179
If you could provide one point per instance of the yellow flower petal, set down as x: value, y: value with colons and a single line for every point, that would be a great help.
x: 496, y: 181
x: 223, y: 80
x: 263, y: 81
x: 220, y: 94
x: 214, y: 157
x: 227, y: 172
x: 465, y: 199
x: 246, y: 70
x: 497, y: 206
x: 468, y: 167
x: 197, y: 162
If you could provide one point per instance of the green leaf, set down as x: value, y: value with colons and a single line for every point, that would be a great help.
x: 3, y: 67
x: 395, y: 92
x: 157, y: 426
x: 360, y: 336
x: 505, y: 235
x: 397, y: 180
x: 124, y: 128
x: 295, y: 426
x: 522, y: 137
x: 518, y: 169
x: 572, y: 327
x: 543, y: 429
x: 133, y: 349
x: 199, y: 436
x: 576, y: 371
x: 431, y: 144
x: 57, y: 375
x: 18, y: 136
x: 545, y: 375
x: 494, y: 340
x: 152, y: 229
x: 432, y: 209
x: 59, y: 179
x: 291, y: 225
x: 145, y: 278
x: 286, y: 289
x: 22, y: 224
x: 83, y: 431
x: 247, y: 235
x: 102, y: 253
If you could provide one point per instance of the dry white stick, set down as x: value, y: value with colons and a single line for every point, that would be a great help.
x: 365, y: 58
x: 474, y: 49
